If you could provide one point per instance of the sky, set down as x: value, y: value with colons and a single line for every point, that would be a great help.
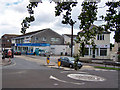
x: 12, y: 13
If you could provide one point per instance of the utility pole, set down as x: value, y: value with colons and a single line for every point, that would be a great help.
x: 72, y: 40
x: 119, y: 22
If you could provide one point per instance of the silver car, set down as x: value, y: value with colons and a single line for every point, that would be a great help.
x: 69, y: 62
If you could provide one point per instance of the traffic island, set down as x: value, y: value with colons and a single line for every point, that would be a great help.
x: 56, y: 67
x: 48, y: 65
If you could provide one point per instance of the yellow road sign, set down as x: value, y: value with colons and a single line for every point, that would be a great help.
x: 48, y: 60
x: 59, y: 62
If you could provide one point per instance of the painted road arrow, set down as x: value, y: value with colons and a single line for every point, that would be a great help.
x: 54, y: 78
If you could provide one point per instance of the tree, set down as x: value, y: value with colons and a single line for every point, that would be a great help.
x: 26, y: 22
x: 113, y: 19
x: 67, y: 19
x: 87, y: 18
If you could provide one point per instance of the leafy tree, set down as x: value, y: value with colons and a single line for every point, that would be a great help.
x: 87, y: 18
x: 26, y: 22
x: 113, y: 19
x: 66, y: 8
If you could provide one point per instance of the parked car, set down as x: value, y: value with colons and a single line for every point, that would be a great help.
x: 44, y: 53
x: 69, y: 62
x: 5, y: 53
x: 17, y: 53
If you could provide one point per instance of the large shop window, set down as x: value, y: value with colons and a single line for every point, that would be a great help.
x: 103, y: 51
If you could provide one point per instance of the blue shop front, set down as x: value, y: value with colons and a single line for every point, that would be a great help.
x: 31, y: 48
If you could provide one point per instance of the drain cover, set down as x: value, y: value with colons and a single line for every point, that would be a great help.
x: 85, y: 77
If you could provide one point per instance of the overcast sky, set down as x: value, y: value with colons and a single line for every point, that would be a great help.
x: 12, y: 13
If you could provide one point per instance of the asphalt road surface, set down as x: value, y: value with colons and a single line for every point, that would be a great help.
x: 29, y: 74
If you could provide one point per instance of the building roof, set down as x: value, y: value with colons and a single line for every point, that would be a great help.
x: 34, y: 32
x: 10, y: 35
x: 105, y: 32
x: 69, y: 35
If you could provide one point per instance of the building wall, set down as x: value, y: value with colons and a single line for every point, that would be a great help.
x: 58, y: 49
x: 67, y: 39
x: 101, y: 44
x: 113, y: 53
x: 48, y: 36
x: 6, y: 40
x: 55, y: 41
x: 106, y: 40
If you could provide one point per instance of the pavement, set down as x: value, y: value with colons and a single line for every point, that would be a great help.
x: 5, y: 62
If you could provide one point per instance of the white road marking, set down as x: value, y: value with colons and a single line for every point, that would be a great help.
x: 73, y: 71
x: 86, y: 77
x: 54, y: 78
x: 55, y: 84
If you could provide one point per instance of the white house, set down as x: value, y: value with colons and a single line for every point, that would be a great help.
x: 102, y: 50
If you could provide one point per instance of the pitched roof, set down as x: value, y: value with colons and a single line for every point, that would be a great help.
x: 104, y: 32
x: 9, y: 35
x: 34, y: 32
x: 69, y: 35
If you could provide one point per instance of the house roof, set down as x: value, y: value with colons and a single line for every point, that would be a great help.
x: 105, y: 32
x: 69, y: 35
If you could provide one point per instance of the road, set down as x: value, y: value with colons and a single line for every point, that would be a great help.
x: 29, y: 72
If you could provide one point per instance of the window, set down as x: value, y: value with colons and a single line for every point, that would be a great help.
x: 100, y: 37
x: 44, y: 39
x: 8, y: 40
x: 5, y: 37
x: 27, y: 37
x: 97, y: 37
x: 97, y: 52
x: 86, y: 51
x: 52, y: 48
x: 22, y: 40
x: 55, y: 39
x: 36, y: 38
x: 52, y: 39
x: 103, y: 51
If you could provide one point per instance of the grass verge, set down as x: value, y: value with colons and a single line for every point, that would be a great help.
x: 110, y: 68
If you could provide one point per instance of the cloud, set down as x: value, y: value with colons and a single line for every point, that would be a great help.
x: 7, y: 29
x: 12, y: 13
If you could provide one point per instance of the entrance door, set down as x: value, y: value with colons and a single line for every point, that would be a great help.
x: 94, y: 53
